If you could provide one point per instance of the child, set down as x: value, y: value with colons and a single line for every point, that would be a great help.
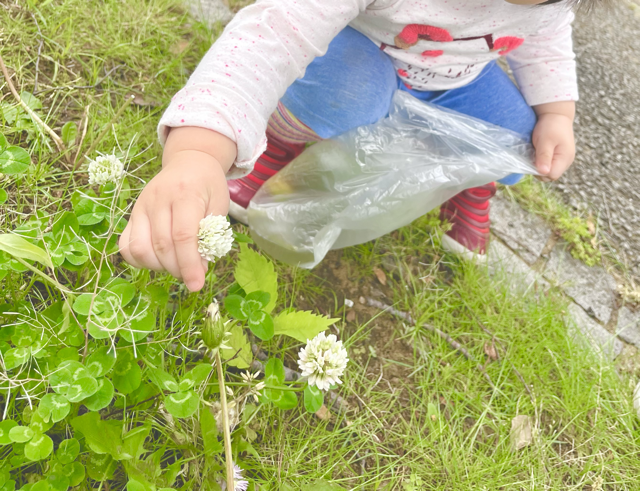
x: 304, y: 70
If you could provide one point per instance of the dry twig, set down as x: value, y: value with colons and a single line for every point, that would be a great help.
x: 54, y: 136
x: 504, y: 349
x: 74, y: 87
x: 452, y: 342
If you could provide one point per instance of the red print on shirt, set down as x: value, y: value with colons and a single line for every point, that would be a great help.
x: 413, y: 33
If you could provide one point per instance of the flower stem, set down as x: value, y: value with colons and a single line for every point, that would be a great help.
x: 225, y: 423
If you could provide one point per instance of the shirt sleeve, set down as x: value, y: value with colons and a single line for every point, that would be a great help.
x: 264, y: 49
x: 544, y: 65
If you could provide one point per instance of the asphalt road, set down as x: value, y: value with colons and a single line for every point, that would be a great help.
x: 606, y: 175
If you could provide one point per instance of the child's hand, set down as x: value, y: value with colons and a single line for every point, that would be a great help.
x: 553, y: 139
x: 162, y: 231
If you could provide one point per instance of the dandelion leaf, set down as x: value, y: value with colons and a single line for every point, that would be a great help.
x: 301, y: 325
x: 23, y: 249
x: 239, y: 344
x: 255, y: 272
x: 209, y: 433
x: 101, y: 436
x: 133, y: 443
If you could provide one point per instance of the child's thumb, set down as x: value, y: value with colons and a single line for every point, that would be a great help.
x: 544, y: 157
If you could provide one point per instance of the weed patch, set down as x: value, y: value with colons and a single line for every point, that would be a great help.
x: 109, y: 376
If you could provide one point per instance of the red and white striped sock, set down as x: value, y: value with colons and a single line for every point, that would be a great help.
x: 287, y: 128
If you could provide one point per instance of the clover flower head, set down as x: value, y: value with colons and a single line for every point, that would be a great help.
x: 215, y: 237
x: 323, y: 360
x: 105, y: 169
x: 239, y: 484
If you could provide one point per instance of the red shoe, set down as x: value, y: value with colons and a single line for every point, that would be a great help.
x: 277, y: 155
x: 468, y: 213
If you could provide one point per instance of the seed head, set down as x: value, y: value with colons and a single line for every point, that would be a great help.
x: 214, y: 331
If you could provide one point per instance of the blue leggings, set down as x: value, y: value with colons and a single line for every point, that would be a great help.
x: 353, y: 83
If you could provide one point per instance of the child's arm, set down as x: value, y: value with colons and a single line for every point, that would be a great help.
x: 264, y: 49
x: 544, y: 67
x: 215, y: 126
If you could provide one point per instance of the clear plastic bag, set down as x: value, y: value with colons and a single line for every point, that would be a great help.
x: 377, y: 178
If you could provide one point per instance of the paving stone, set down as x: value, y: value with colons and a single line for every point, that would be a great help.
x: 591, y: 287
x: 503, y: 260
x: 209, y: 11
x: 628, y: 327
x: 524, y: 232
x: 593, y: 333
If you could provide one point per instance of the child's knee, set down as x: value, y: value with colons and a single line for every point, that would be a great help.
x: 351, y: 85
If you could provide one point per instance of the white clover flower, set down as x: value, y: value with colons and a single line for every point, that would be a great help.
x: 215, y: 237
x: 323, y: 361
x: 239, y: 484
x: 254, y: 390
x: 105, y: 169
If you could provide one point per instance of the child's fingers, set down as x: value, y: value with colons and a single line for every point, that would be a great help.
x: 544, y: 157
x: 162, y: 240
x: 123, y: 244
x: 140, y: 248
x: 186, y: 216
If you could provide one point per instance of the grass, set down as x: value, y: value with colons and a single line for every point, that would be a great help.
x: 422, y: 416
x: 425, y: 413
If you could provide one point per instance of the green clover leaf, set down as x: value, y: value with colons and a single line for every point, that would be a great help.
x: 196, y: 376
x: 313, y: 398
x: 163, y: 380
x: 101, y: 361
x: 54, y: 407
x: 261, y: 324
x: 81, y: 389
x: 127, y: 374
x: 102, y: 397
x: 21, y: 434
x: 68, y: 450
x: 233, y: 304
x: 5, y: 428
x: 182, y: 404
x: 39, y: 447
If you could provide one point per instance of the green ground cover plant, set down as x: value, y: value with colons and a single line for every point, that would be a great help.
x: 109, y: 376
x: 579, y: 231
